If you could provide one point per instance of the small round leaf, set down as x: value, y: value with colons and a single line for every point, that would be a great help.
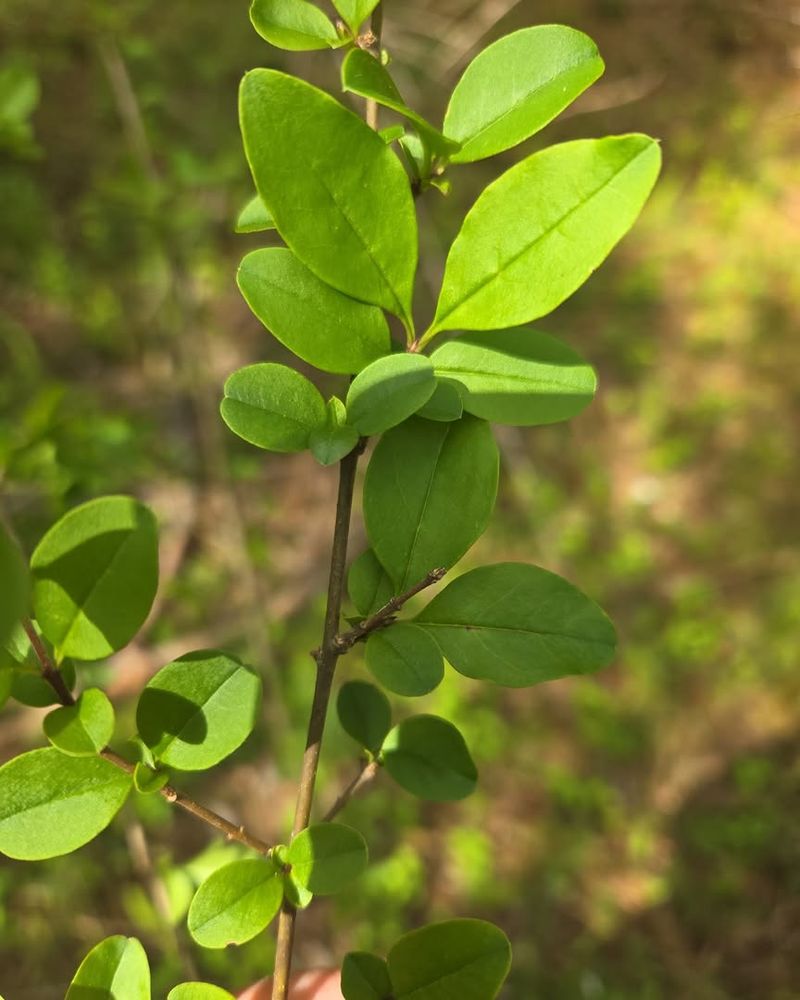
x: 365, y: 977
x: 82, y: 729
x: 116, y: 968
x: 405, y: 660
x: 147, y: 780
x: 326, y: 857
x: 198, y: 991
x: 445, y: 404
x: 428, y: 757
x: 296, y: 25
x: 365, y: 713
x: 388, y: 391
x: 235, y: 903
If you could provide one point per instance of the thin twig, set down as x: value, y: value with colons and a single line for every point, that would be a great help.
x: 375, y: 31
x: 230, y: 830
x: 366, y: 774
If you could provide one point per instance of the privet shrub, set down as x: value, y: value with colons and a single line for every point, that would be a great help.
x: 341, y: 196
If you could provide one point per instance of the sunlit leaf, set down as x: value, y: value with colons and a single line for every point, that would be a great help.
x: 355, y: 12
x: 82, y: 729
x: 388, y: 391
x: 327, y: 857
x: 296, y: 25
x: 198, y: 991
x: 254, y: 217
x: 235, y: 903
x: 115, y: 969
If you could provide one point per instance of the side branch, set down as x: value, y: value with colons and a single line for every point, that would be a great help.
x: 367, y: 774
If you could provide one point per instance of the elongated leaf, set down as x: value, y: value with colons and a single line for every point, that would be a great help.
x: 327, y: 857
x: 405, y: 659
x: 428, y: 757
x: 365, y: 977
x: 254, y: 217
x: 516, y: 86
x: 355, y: 12
x: 368, y: 583
x: 272, y: 407
x: 235, y: 903
x: 51, y: 804
x: 115, y: 969
x: 198, y: 991
x: 388, y: 391
x: 413, y: 521
x: 518, y: 625
x: 536, y: 233
x: 82, y: 729
x: 320, y: 325
x: 296, y: 25
x: 365, y: 714
x: 364, y: 75
x: 198, y: 709
x: 445, y: 404
x: 329, y: 444
x: 464, y: 959
x: 518, y: 377
x: 95, y: 574
x: 14, y: 585
x: 321, y: 171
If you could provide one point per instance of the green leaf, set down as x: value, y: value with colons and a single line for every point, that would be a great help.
x: 320, y: 325
x: 294, y: 24
x: 147, y: 780
x: 365, y: 714
x: 518, y: 625
x: 536, y: 233
x: 272, y: 407
x: 82, y: 729
x: 445, y: 404
x: 235, y: 903
x: 198, y: 709
x: 428, y: 757
x: 388, y: 391
x: 516, y: 86
x: 518, y: 377
x: 405, y: 660
x: 198, y: 991
x: 51, y: 804
x: 391, y: 133
x: 413, y: 479
x: 254, y: 217
x: 321, y: 171
x: 115, y: 969
x: 6, y: 678
x: 463, y: 959
x: 95, y: 574
x: 326, y: 857
x: 365, y: 977
x: 296, y: 894
x: 355, y: 12
x: 368, y: 584
x: 14, y: 585
x: 329, y: 444
x: 364, y: 75
x: 27, y: 684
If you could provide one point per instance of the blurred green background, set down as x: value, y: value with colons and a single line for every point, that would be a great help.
x: 637, y: 834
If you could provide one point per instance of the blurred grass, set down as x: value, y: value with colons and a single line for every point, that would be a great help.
x: 636, y: 833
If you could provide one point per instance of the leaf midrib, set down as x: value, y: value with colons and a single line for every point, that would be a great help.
x: 507, y: 628
x: 456, y: 972
x: 199, y: 709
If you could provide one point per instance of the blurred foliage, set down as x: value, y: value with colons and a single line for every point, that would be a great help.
x: 636, y: 834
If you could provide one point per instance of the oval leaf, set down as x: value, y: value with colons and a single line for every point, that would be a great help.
x: 115, y: 969
x: 365, y: 713
x: 198, y: 709
x: 254, y: 217
x: 445, y: 404
x: 536, y: 233
x: 272, y: 407
x: 95, y: 574
x: 321, y: 170
x: 365, y: 977
x: 516, y: 86
x: 388, y: 391
x: 355, y: 12
x: 235, y: 903
x: 517, y: 377
x: 326, y: 857
x: 14, y: 585
x: 320, y: 325
x: 428, y: 757
x: 468, y: 959
x: 337, y: 438
x: 51, y: 804
x: 417, y: 470
x: 405, y: 659
x: 296, y: 25
x: 82, y: 729
x: 368, y: 584
x: 518, y: 625
x: 198, y: 991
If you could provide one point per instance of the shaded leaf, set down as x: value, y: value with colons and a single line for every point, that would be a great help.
x: 95, y: 574
x: 51, y: 804
x: 198, y: 991
x: 368, y: 584
x: 296, y: 25
x: 82, y: 729
x: 14, y: 585
x: 445, y: 404
x: 327, y: 857
x: 295, y: 893
x: 355, y: 12
x: 405, y: 659
x: 365, y: 713
x: 235, y: 903
x: 414, y: 474
x: 388, y: 391
x: 518, y: 625
x: 320, y: 325
x: 365, y: 977
x: 337, y: 438
x: 518, y: 377
x: 321, y: 171
x: 428, y: 757
x: 198, y: 709
x: 254, y: 217
x: 148, y: 780
x: 115, y: 969
x: 516, y: 86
